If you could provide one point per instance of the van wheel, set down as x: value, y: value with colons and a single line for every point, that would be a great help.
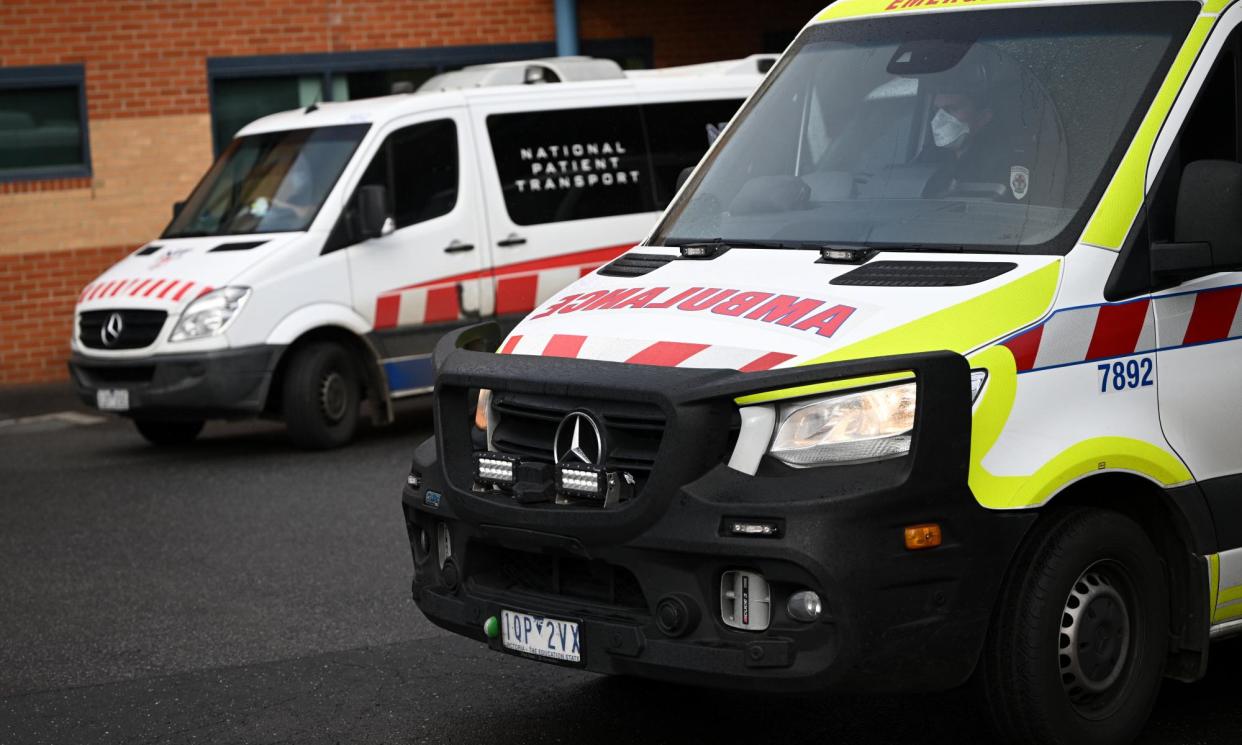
x: 1076, y: 652
x: 320, y: 396
x: 164, y: 433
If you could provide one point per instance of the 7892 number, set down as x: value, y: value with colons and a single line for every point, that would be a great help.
x: 1125, y: 374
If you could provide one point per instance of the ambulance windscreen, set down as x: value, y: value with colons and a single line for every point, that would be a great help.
x: 992, y: 130
x: 268, y: 183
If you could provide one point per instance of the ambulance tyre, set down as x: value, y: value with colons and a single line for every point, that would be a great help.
x: 1076, y: 652
x: 321, y: 395
x: 169, y: 433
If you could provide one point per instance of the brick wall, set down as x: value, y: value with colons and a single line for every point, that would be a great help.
x: 37, y: 294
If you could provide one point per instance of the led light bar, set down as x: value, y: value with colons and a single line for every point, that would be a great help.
x: 758, y: 528
x: 582, y: 481
x: 495, y: 468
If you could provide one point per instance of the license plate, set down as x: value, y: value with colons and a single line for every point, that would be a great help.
x: 542, y: 637
x: 112, y: 399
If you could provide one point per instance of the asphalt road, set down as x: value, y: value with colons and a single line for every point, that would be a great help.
x: 242, y: 591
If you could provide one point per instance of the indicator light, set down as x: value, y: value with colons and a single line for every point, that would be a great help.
x: 921, y: 537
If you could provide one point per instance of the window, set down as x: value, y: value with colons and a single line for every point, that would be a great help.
x: 571, y: 165
x: 43, y: 123
x: 237, y: 102
x: 679, y: 135
x: 418, y: 165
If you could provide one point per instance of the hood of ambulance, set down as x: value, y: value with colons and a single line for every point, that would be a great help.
x: 181, y: 270
x: 727, y: 312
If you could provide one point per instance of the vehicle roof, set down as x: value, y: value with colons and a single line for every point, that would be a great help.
x: 845, y: 9
x: 385, y: 108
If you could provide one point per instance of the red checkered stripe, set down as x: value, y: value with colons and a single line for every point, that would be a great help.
x: 520, y: 288
x: 640, y: 352
x: 158, y: 289
x: 1100, y: 332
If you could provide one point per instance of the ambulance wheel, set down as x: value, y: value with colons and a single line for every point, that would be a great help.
x: 1076, y: 653
x: 321, y: 395
x: 160, y: 432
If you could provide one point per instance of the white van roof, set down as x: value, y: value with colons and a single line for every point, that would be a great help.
x: 726, y: 78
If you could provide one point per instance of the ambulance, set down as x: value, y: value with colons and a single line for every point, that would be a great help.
x: 320, y: 258
x: 931, y: 375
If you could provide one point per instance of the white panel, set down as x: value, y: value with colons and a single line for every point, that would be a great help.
x: 413, y: 307
x: 1173, y: 317
x: 552, y: 281
x: 758, y: 422
x: 608, y: 349
x: 1147, y: 337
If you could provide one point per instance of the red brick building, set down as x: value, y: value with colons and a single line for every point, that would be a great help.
x: 111, y: 111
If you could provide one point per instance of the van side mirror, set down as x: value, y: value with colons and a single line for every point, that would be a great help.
x: 1207, y: 224
x: 177, y: 207
x: 372, y: 205
x: 683, y: 177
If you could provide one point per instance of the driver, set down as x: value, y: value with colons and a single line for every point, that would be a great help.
x: 294, y: 200
x: 970, y: 147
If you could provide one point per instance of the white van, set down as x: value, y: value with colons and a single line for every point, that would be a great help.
x: 328, y: 248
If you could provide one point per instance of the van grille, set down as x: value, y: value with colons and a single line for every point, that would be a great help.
x: 139, y: 328
x: 526, y: 427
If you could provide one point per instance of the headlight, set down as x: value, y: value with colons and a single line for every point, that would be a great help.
x: 856, y: 426
x: 210, y: 314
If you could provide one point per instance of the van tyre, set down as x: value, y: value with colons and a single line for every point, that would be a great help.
x: 1076, y: 653
x: 169, y: 433
x: 320, y: 396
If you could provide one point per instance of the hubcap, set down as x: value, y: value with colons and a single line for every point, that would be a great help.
x: 333, y: 396
x: 1095, y: 637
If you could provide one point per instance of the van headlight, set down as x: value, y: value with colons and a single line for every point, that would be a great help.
x: 210, y: 314
x: 868, y: 425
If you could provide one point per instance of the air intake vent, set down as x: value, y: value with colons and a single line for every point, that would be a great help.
x: 636, y: 265
x: 923, y: 273
x: 149, y: 249
x: 237, y: 246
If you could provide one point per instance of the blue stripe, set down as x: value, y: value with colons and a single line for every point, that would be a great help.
x: 409, y: 374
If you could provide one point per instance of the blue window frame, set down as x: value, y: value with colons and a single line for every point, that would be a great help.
x: 243, y: 89
x: 43, y: 123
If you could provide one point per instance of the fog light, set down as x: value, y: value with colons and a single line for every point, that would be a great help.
x: 804, y: 606
x: 745, y: 600
x: 444, y: 543
x: 494, y: 468
x: 582, y: 481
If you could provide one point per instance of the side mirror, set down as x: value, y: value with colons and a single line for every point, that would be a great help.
x: 1207, y: 224
x: 372, y: 205
x: 683, y: 177
x: 177, y: 207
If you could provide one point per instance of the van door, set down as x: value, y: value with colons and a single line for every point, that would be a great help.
x: 1199, y: 326
x: 568, y: 188
x: 427, y: 275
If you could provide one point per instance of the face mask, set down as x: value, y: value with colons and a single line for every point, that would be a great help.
x: 948, y: 129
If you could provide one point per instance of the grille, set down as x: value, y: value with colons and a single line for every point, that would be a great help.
x: 635, y: 265
x: 923, y: 273
x: 526, y: 427
x: 139, y: 328
x: 509, y: 570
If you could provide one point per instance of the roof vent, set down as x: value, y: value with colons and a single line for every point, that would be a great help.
x: 923, y: 273
x: 149, y: 249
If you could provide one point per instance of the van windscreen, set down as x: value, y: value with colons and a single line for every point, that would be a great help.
x: 988, y: 130
x: 268, y: 183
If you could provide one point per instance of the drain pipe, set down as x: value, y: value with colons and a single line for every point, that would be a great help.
x: 566, y: 28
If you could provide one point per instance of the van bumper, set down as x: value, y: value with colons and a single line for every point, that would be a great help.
x: 893, y: 619
x: 224, y: 384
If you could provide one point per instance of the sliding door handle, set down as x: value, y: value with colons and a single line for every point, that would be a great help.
x: 457, y: 247
x: 513, y: 240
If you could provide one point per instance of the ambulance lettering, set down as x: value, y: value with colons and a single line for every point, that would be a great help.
x: 802, y: 314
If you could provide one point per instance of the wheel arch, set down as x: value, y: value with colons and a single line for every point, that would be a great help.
x: 376, y: 382
x: 1179, y: 526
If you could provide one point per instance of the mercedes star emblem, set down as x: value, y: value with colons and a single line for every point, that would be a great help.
x: 111, y: 330
x: 579, y: 439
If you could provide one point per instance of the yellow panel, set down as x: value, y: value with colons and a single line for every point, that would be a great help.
x: 1213, y: 582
